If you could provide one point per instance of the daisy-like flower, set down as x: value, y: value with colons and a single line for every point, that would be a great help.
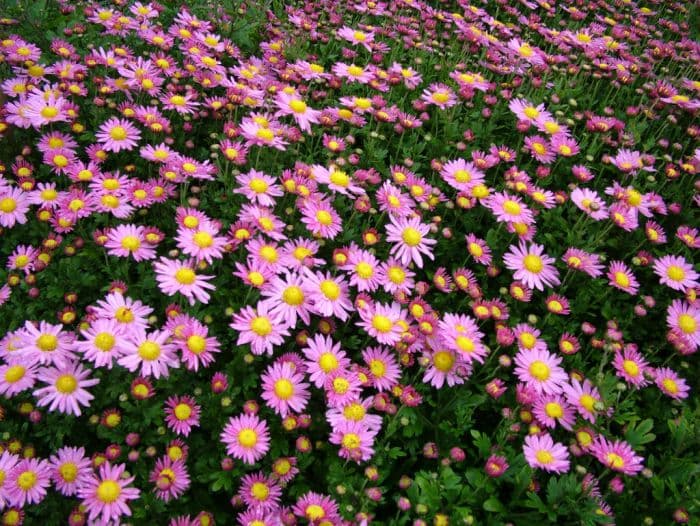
x: 16, y: 378
x: 551, y: 410
x: 129, y: 240
x: 320, y: 218
x: 364, y: 269
x: 246, y: 437
x: 7, y: 462
x: 27, y: 482
x: 152, y: 353
x: 176, y: 276
x: 260, y: 328
x: 462, y: 175
x: 621, y: 277
x: 105, y: 496
x: 395, y: 277
x: 284, y: 389
x: 65, y: 390
x: 542, y: 452
x: 317, y: 508
x: 383, y: 322
x: 342, y: 386
x: 45, y: 344
x: 557, y: 304
x: 329, y: 294
x: 355, y: 36
x: 689, y: 236
x: 618, y: 455
x: 337, y: 180
x: 42, y: 108
x: 684, y: 317
x: 532, y: 266
x: 202, y: 243
x: 259, y: 491
x: 383, y: 366
x: 128, y: 313
x: 355, y: 441
x: 539, y: 148
x: 670, y: 383
x: 509, y: 209
x: 590, y: 202
x: 496, y: 465
x: 583, y: 397
x: 291, y: 104
x: 181, y: 414
x: 288, y: 298
x: 676, y: 273
x: 445, y: 366
x: 526, y: 111
x: 101, y: 345
x: 70, y: 468
x: 116, y: 135
x: 478, y: 249
x: 323, y: 357
x: 170, y: 478
x: 583, y: 261
x: 630, y: 365
x: 14, y: 205
x: 540, y: 370
x: 258, y: 187
x: 460, y: 333
x: 439, y: 95
x: 410, y: 243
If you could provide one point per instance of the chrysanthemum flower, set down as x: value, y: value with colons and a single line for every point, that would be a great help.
x: 176, y: 276
x: 101, y: 345
x: 202, y: 243
x: 152, y: 353
x: 478, y: 249
x: 684, y: 317
x: 17, y: 377
x: 170, y: 478
x: 106, y: 495
x: 509, y: 208
x: 670, y: 383
x: 181, y: 414
x: 284, y: 389
x: 260, y: 491
x: 14, y: 205
x: 258, y: 187
x: 382, y: 322
x: 631, y: 366
x: 543, y: 453
x: 383, y: 366
x: 409, y: 241
x: 320, y: 218
x: 291, y: 104
x: 65, y: 390
x: 445, y: 366
x: 27, y: 482
x: 584, y: 397
x: 70, y: 469
x: 129, y: 314
x: 583, y: 261
x: 540, y: 370
x: 439, y: 95
x: 462, y: 175
x: 129, y: 240
x: 618, y: 455
x: 323, y: 357
x: 116, y: 135
x: 316, y: 508
x: 590, y: 202
x: 460, y: 333
x: 676, y: 273
x: 551, y: 410
x: 45, y: 344
x: 329, y: 294
x: 621, y: 277
x: 246, y: 437
x: 355, y: 440
x: 260, y: 328
x: 532, y: 266
x: 288, y: 298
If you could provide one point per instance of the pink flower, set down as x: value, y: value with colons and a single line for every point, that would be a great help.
x: 181, y: 414
x: 175, y: 276
x: 676, y: 273
x: 292, y: 104
x: 383, y: 322
x: 151, y: 353
x: 323, y: 357
x: 284, y: 389
x: 65, y: 388
x: 409, y: 241
x: 246, y: 437
x: 384, y: 368
x: 621, y: 277
x: 540, y: 370
x: 118, y: 134
x: 258, y: 188
x: 70, y: 469
x: 14, y: 205
x: 618, y: 455
x: 670, y: 383
x: 27, y: 482
x: 106, y: 496
x: 129, y: 240
x: 260, y: 328
x: 170, y: 477
x: 541, y: 452
x: 355, y: 441
x: 532, y: 266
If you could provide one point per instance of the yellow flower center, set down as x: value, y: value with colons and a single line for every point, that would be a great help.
x: 196, y: 344
x: 411, y: 236
x: 49, y: 112
x: 324, y: 217
x: 47, y: 342
x: 377, y: 367
x: 670, y: 385
x: 440, y: 97
x: 675, y: 273
x: 396, y: 275
x: 27, y: 480
x: 339, y: 178
x: 8, y: 205
x: 21, y: 261
x: 265, y: 134
x: 531, y: 112
x: 382, y: 323
x: 587, y: 401
x: 364, y: 270
x: 293, y: 295
x: 687, y: 323
x: 330, y: 289
x: 177, y: 100
x: 351, y: 441
x: 614, y: 460
x: 465, y: 344
x: 314, y: 512
x: 256, y: 278
x: 533, y: 263
x: 511, y: 207
x: 68, y: 471
x: 149, y: 351
x: 247, y: 437
x: 260, y: 490
x: 354, y: 412
x: 622, y: 279
x: 539, y: 370
x: 124, y: 315
x: 66, y: 384
x: 104, y: 341
x: 261, y: 326
x: 203, y: 239
x: 544, y: 457
x: 328, y: 362
x: 630, y: 367
x: 182, y: 411
x: 108, y: 491
x: 284, y: 389
x: 443, y: 361
x: 553, y: 410
x: 355, y: 71
x: 269, y: 253
x: 297, y: 106
x: 14, y: 373
x: 185, y: 276
x: 360, y: 36
x: 118, y: 133
x: 340, y: 385
x: 131, y: 243
x: 258, y: 185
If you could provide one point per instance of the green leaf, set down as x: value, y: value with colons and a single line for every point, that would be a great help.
x: 494, y: 505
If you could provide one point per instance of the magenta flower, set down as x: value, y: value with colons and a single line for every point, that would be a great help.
x: 542, y: 453
x: 176, y: 276
x: 246, y: 437
x: 676, y: 273
x: 532, y: 266
x: 181, y: 414
x: 408, y: 236
x: 106, y: 495
x: 116, y: 135
x: 618, y: 455
x: 65, y: 390
x: 284, y: 389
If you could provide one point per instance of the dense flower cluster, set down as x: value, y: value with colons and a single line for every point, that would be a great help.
x: 304, y: 247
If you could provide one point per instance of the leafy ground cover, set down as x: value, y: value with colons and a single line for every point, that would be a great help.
x: 349, y: 262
